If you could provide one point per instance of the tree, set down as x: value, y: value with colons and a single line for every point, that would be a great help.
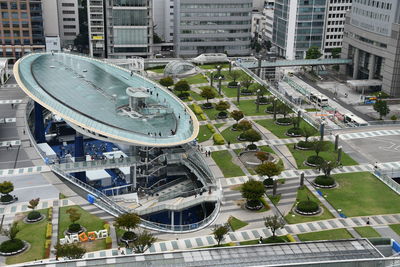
x: 308, y: 131
x: 336, y: 52
x: 143, y: 242
x: 327, y: 167
x: 6, y: 187
x: 208, y: 93
x: 74, y: 215
x: 167, y: 81
x: 283, y: 109
x: 252, y: 190
x: 11, y: 232
x: 246, y: 81
x: 313, y: 53
x: 234, y: 75
x: 382, y: 108
x: 70, y: 251
x: 269, y: 169
x: 244, y: 125
x: 237, y: 115
x: 320, y: 146
x: 33, y: 203
x: 274, y: 223
x: 156, y: 38
x: 222, y: 105
x: 182, y: 86
x: 268, y: 45
x: 251, y: 135
x: 128, y: 221
x: 219, y: 233
x: 262, y: 156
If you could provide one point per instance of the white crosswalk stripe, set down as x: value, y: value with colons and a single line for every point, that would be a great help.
x: 8, y: 120
x: 13, y: 101
x: 11, y: 142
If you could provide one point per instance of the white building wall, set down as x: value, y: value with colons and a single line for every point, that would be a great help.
x: 68, y: 20
x: 50, y: 18
x: 163, y: 15
x: 291, y: 31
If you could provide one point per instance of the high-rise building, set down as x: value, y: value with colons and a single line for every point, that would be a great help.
x: 163, y: 15
x: 262, y: 21
x: 207, y: 26
x: 334, y: 24
x: 298, y: 25
x: 68, y: 20
x: 372, y: 40
x: 21, y: 27
x: 120, y: 28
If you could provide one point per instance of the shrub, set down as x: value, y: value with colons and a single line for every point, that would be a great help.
x: 232, y: 84
x: 290, y: 238
x: 108, y: 242
x: 234, y: 126
x: 184, y: 95
x: 49, y: 230
x: 6, y: 198
x: 305, y: 144
x: 167, y: 81
x: 268, y: 182
x: 264, y: 100
x: 315, y: 160
x: 222, y: 105
x: 324, y: 180
x: 50, y: 214
x: 106, y: 226
x: 190, y: 98
x: 203, y: 117
x: 284, y: 120
x: 251, y: 135
x: 129, y: 235
x: 211, y: 128
x: 216, y: 76
x: 218, y: 139
x: 208, y: 105
x: 294, y: 131
x: 34, y: 215
x: 307, y: 206
x: 74, y: 227
x: 197, y: 109
x: 11, y: 245
x: 274, y: 239
x: 246, y: 91
x: 222, y: 114
x: 271, y: 109
x: 265, y: 203
x: 252, y: 147
x: 47, y: 243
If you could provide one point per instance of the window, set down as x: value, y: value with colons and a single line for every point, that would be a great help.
x: 68, y: 12
x: 68, y: 4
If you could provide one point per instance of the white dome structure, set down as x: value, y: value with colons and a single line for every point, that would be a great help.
x: 179, y: 68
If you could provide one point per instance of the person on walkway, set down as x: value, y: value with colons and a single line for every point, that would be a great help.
x: 261, y: 240
x: 229, y: 144
x: 368, y: 221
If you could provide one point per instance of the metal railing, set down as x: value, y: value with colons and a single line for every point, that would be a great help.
x: 387, y: 180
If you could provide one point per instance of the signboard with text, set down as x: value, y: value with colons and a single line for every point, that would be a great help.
x: 84, y: 237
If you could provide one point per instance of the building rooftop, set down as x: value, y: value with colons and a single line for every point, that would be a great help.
x: 93, y: 95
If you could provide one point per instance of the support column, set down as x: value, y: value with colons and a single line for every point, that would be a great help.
x: 79, y: 155
x: 355, y: 63
x: 172, y: 218
x: 39, y: 124
x: 371, y: 67
x: 336, y: 142
x: 133, y: 177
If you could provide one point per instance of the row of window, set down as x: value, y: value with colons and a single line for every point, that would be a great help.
x: 215, y: 14
x: 229, y: 47
x: 8, y: 33
x: 375, y: 3
x: 336, y: 22
x: 12, y: 5
x: 336, y: 36
x: 227, y: 22
x: 16, y: 41
x: 340, y: 1
x: 339, y: 8
x: 341, y: 15
x: 15, y: 24
x: 14, y: 15
x: 213, y: 31
x: 213, y: 6
x: 365, y: 40
x: 339, y: 44
x: 371, y: 14
x: 214, y: 39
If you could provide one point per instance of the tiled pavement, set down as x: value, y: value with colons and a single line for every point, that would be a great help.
x: 43, y: 204
x: 10, y: 142
x: 27, y: 170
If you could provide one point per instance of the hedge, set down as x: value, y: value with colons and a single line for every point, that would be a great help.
x: 47, y: 243
x: 218, y: 139
x: 50, y: 214
x: 211, y: 128
x: 107, y: 227
x: 108, y: 242
x: 324, y: 180
x: 49, y: 230
x: 290, y: 238
x: 203, y: 117
x: 307, y: 206
x: 265, y: 203
x: 197, y: 109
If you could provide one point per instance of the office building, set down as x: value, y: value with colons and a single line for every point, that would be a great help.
x: 298, y: 25
x: 163, y: 15
x: 371, y: 39
x: 120, y: 28
x: 206, y: 26
x: 334, y: 24
x: 262, y: 21
x: 68, y: 20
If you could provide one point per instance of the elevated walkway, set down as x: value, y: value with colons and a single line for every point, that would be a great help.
x: 293, y: 63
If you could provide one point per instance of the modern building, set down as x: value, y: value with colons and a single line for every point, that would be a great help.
x: 371, y: 40
x: 298, y: 25
x: 205, y: 26
x: 334, y: 25
x: 262, y: 21
x: 21, y: 27
x: 68, y: 20
x: 163, y: 16
x: 120, y: 28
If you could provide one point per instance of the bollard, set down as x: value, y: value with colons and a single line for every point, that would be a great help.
x: 336, y: 142
x: 302, y: 179
x: 339, y: 156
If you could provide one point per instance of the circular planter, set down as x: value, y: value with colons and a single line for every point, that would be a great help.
x: 124, y: 240
x: 9, y: 202
x: 207, y: 107
x: 302, y: 148
x: 222, y: 117
x: 67, y: 232
x: 258, y: 207
x: 292, y: 135
x: 324, y: 186
x: 241, y: 139
x: 246, y: 93
x: 232, y: 86
x: 261, y: 103
x: 309, y: 164
x: 26, y: 247
x: 319, y: 211
x: 282, y: 123
x: 41, y: 218
x: 234, y: 129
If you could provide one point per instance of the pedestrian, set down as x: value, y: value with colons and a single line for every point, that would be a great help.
x: 261, y: 240
x: 229, y: 144
x: 23, y: 131
x: 122, y: 252
x: 10, y: 146
x: 368, y: 221
x: 119, y: 249
x: 12, y: 105
x: 376, y: 165
x: 126, y: 244
x: 209, y: 153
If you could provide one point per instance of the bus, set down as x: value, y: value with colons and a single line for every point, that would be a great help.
x: 353, y: 120
x: 319, y: 99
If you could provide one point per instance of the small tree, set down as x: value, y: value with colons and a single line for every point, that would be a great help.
x: 182, y: 86
x: 251, y: 135
x: 269, y: 169
x: 320, y: 146
x: 244, y: 125
x: 208, y: 93
x: 222, y: 105
x: 262, y: 156
x: 167, y: 81
x: 33, y: 215
x: 252, y: 190
x: 6, y: 188
x: 283, y: 109
x: 143, y: 242
x: 128, y: 221
x: 274, y: 223
x: 11, y: 232
x: 234, y: 75
x: 246, y: 81
x: 33, y: 203
x: 70, y: 251
x: 308, y: 131
x: 336, y: 52
x: 219, y: 233
x: 74, y: 216
x: 313, y: 53
x: 327, y: 167
x: 237, y: 115
x: 393, y: 118
x: 382, y: 108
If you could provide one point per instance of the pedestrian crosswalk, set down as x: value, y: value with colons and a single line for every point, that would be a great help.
x: 8, y: 120
x: 12, y: 101
x: 22, y: 171
x: 9, y: 86
x: 369, y: 134
x: 10, y: 142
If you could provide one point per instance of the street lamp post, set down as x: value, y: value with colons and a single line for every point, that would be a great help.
x: 238, y: 92
x: 219, y: 70
x: 274, y: 107
x: 219, y: 84
x: 322, y: 130
x: 211, y: 79
x: 258, y: 100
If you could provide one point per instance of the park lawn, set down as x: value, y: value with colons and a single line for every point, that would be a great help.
x: 204, y: 134
x: 159, y: 69
x: 231, y: 136
x: 303, y: 194
x: 366, y: 231
x: 219, y: 125
x: 196, y: 96
x: 36, y: 240
x: 213, y: 66
x: 235, y: 223
x: 211, y: 112
x: 224, y: 161
x: 227, y: 78
x: 361, y: 194
x: 278, y: 130
x: 396, y: 228
x: 198, y: 78
x: 335, y: 234
x: 87, y: 220
x: 301, y: 156
x: 249, y: 108
x: 275, y: 199
x: 198, y: 116
x: 229, y: 92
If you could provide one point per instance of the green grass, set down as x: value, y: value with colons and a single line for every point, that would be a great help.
x: 396, y: 228
x: 249, y: 108
x: 275, y: 199
x: 36, y: 240
x: 87, y: 220
x: 224, y: 162
x: 226, y: 74
x: 303, y: 194
x: 229, y: 92
x: 213, y: 66
x: 61, y: 196
x: 198, y: 78
x: 211, y: 113
x: 312, y: 109
x: 334, y: 234
x: 204, y: 134
x: 214, y: 89
x: 196, y: 96
x: 235, y: 223
x: 367, y: 231
x: 361, y: 194
x: 219, y: 125
x: 278, y: 130
x: 231, y: 136
x: 159, y: 69
x: 256, y: 241
x: 301, y: 156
